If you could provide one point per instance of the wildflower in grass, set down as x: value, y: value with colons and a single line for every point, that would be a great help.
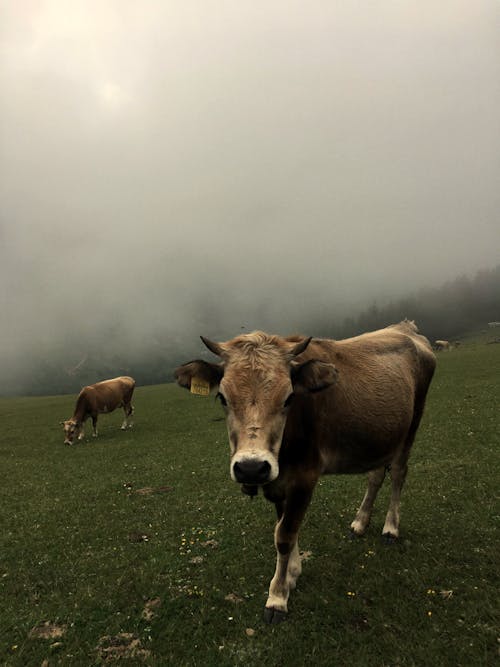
x: 429, y: 613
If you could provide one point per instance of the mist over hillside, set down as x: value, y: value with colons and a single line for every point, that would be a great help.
x: 171, y: 169
x: 462, y: 305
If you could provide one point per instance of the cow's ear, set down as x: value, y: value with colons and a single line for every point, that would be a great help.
x: 201, y: 370
x: 313, y: 375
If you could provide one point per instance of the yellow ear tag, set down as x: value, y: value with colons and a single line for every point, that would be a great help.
x: 200, y: 387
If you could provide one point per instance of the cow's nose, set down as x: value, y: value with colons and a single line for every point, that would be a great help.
x: 251, y: 471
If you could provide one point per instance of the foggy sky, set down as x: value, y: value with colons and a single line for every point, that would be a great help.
x: 269, y: 160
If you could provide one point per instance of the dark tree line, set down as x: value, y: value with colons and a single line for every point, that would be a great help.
x: 447, y: 312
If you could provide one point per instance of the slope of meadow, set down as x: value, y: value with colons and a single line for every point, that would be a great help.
x: 138, y: 546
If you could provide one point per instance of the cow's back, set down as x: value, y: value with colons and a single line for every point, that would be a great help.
x: 381, y: 377
x: 107, y: 395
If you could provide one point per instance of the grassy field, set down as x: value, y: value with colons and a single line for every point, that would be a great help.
x: 138, y: 547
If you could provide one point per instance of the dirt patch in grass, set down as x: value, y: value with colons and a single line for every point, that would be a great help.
x: 147, y: 490
x: 124, y: 645
x: 47, y: 630
x: 138, y: 536
x: 150, y: 608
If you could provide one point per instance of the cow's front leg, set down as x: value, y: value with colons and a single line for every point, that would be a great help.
x: 94, y: 426
x: 288, y: 563
x: 294, y: 566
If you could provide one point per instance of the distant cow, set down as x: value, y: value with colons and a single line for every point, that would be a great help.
x: 441, y: 345
x: 298, y: 408
x: 96, y: 399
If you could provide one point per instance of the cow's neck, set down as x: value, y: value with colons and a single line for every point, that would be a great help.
x: 80, y: 412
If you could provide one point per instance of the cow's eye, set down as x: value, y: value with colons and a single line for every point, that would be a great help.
x: 289, y: 400
x: 222, y: 399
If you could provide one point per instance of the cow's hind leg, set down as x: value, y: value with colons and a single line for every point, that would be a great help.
x: 362, y: 519
x: 288, y: 563
x: 129, y: 411
x: 399, y: 468
x: 94, y: 426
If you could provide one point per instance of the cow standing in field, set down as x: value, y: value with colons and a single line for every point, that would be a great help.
x: 442, y: 346
x: 97, y: 399
x: 298, y: 408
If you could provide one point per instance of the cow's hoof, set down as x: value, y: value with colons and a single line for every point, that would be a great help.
x: 389, y: 538
x: 353, y: 535
x: 274, y: 616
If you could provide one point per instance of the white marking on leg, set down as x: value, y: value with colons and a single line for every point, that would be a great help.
x: 279, y: 588
x: 363, y: 516
x: 127, y: 422
x: 294, y: 566
x: 391, y: 527
x: 398, y: 475
x: 360, y: 523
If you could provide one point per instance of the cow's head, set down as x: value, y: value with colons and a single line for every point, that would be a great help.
x: 256, y: 382
x: 72, y: 430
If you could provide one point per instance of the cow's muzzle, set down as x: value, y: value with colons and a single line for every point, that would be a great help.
x: 252, y: 471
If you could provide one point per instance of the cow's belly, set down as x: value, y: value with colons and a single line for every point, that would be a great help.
x: 351, y: 454
x: 108, y: 407
x: 337, y: 464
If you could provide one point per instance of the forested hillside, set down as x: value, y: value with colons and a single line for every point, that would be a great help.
x: 456, y: 307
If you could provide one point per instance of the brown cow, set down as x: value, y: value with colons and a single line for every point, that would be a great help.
x: 96, y: 399
x: 442, y: 345
x: 298, y: 408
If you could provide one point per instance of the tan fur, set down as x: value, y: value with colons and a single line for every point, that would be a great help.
x: 298, y: 409
x: 99, y: 398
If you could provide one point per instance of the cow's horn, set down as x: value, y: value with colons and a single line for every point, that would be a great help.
x: 300, y: 347
x: 216, y: 348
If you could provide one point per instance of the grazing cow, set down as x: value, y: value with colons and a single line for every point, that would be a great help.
x: 96, y: 399
x: 442, y: 345
x: 298, y: 408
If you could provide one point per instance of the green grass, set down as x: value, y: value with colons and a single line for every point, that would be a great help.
x: 66, y: 555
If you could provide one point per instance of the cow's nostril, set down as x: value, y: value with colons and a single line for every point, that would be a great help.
x: 251, y: 471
